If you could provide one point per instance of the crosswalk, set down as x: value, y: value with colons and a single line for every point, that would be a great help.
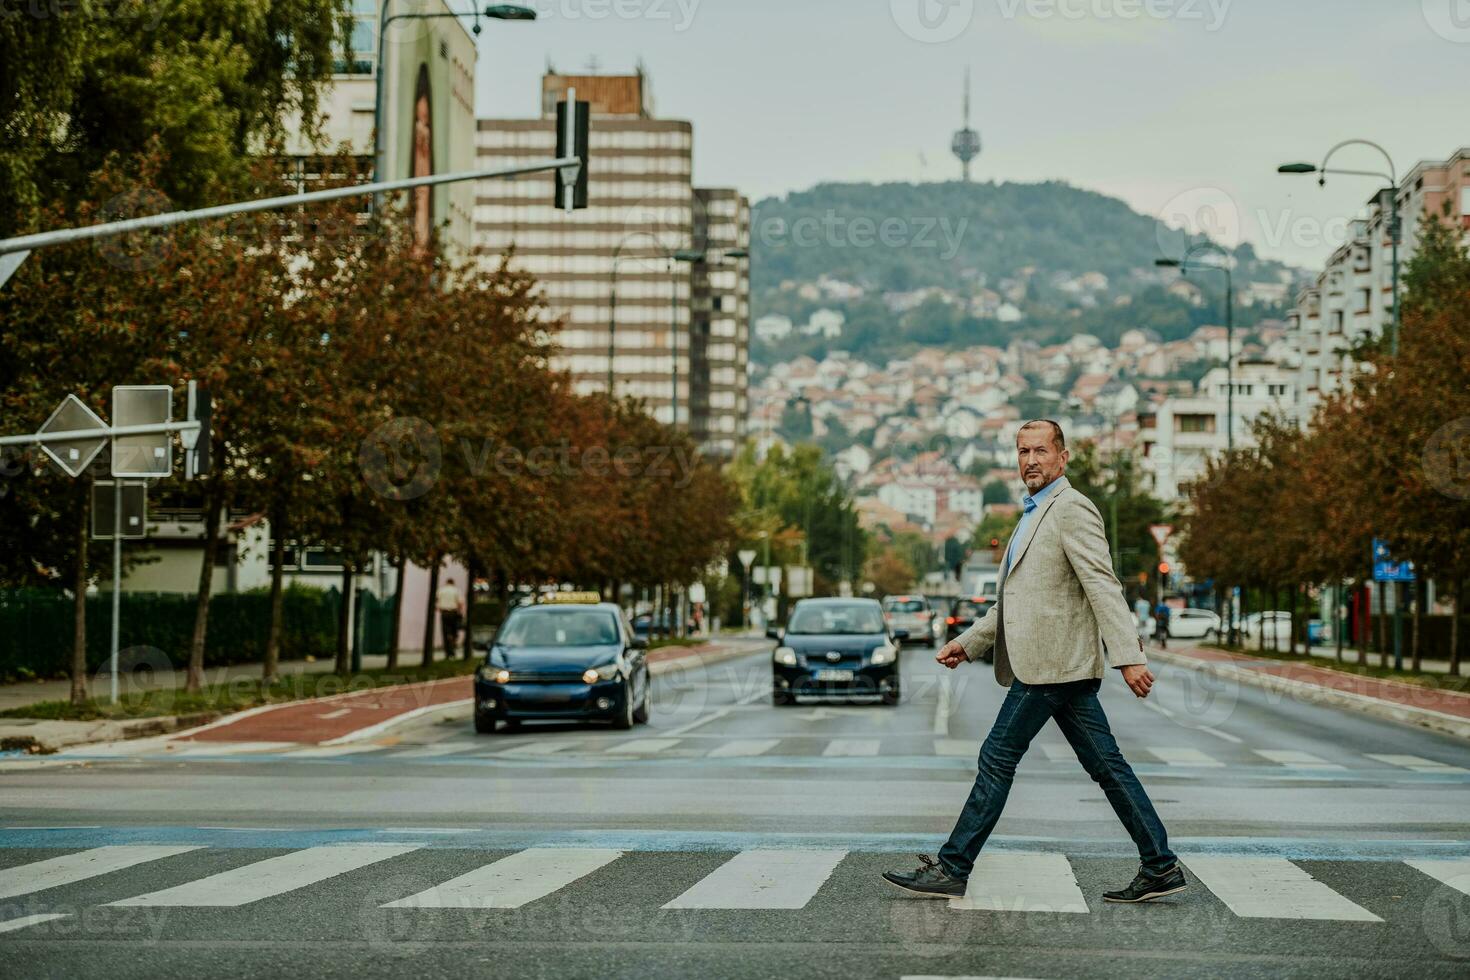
x: 1250, y: 886
x: 1166, y: 758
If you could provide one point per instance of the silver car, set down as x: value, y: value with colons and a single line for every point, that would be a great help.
x: 911, y: 613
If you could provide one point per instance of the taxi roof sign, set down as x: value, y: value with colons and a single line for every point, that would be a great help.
x: 572, y: 597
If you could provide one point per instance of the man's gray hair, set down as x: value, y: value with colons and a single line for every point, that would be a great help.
x: 1056, y: 432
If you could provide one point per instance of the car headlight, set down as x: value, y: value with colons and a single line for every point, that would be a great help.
x: 495, y: 675
x: 885, y: 654
x: 785, y: 656
x: 604, y: 673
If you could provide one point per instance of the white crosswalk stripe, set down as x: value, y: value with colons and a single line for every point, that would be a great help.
x: 437, y: 749
x: 1176, y: 756
x: 852, y: 747
x: 741, y: 747
x: 1021, y: 881
x: 512, y: 881
x: 1415, y: 764
x: 1287, y: 757
x: 1454, y: 872
x: 1255, y: 887
x: 70, y: 868
x: 644, y: 746
x: 273, y: 876
x: 955, y: 746
x: 25, y: 921
x: 538, y: 748
x: 190, y: 749
x: 762, y: 879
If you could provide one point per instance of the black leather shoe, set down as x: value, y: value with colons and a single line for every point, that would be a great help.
x: 929, y: 880
x: 1146, y: 887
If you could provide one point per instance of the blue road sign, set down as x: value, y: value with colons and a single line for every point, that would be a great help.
x: 1385, y: 569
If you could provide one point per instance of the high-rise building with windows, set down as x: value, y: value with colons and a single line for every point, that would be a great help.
x: 635, y: 315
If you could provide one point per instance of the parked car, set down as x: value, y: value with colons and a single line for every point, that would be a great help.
x: 913, y: 615
x: 1194, y: 624
x: 1274, y: 622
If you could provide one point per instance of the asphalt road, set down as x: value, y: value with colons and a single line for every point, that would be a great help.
x: 732, y: 838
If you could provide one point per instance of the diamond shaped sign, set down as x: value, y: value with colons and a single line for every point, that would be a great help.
x: 75, y: 452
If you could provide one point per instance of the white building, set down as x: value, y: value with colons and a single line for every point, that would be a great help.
x: 773, y: 327
x: 1180, y: 433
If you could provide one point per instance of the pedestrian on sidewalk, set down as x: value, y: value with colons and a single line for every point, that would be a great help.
x: 451, y: 614
x: 1161, y: 625
x: 1057, y: 597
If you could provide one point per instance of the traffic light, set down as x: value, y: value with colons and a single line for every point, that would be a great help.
x: 571, y: 141
x: 1163, y: 568
x: 995, y: 542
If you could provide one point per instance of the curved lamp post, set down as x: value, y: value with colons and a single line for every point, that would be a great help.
x: 1394, y: 228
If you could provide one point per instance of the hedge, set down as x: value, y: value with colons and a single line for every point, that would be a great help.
x: 36, y: 627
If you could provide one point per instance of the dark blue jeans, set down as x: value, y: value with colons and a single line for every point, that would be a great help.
x: 1080, y: 717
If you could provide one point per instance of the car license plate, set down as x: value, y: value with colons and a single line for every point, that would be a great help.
x: 834, y: 675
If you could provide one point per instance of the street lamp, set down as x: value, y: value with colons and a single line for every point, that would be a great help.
x: 500, y: 11
x: 1394, y: 229
x: 1184, y: 265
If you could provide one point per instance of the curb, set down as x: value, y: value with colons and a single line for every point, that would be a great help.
x: 1310, y: 693
x: 116, y: 731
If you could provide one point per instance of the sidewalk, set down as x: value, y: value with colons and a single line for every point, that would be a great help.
x: 331, y: 720
x: 1444, y: 711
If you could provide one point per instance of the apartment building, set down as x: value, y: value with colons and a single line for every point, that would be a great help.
x: 628, y: 313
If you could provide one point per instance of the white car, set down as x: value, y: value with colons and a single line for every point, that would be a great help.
x: 1275, y: 623
x: 1194, y: 624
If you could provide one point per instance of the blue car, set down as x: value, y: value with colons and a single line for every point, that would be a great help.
x: 836, y: 647
x: 568, y: 658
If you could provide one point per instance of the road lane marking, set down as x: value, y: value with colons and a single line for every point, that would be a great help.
x: 1415, y: 763
x: 1219, y: 734
x: 1272, y: 888
x: 852, y: 747
x: 762, y: 879
x: 1184, y: 757
x: 512, y: 881
x: 644, y: 746
x: 538, y: 748
x: 193, y: 749
x: 1022, y: 881
x: 1289, y: 757
x: 10, y: 925
x: 336, y: 714
x: 942, y: 708
x: 955, y: 746
x: 332, y: 751
x: 271, y: 877
x: 70, y: 868
x: 718, y: 713
x: 1454, y: 872
x: 741, y: 747
x: 440, y: 748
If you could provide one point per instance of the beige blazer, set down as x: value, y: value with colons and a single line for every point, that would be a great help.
x: 1062, y: 607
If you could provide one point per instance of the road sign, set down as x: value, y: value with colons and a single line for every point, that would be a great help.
x: 746, y: 556
x: 1161, y: 532
x: 134, y: 510
x: 696, y: 592
x: 149, y: 455
x: 75, y: 453
x: 1385, y: 568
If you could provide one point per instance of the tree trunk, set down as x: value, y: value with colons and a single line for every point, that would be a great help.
x: 472, y: 568
x: 270, y: 669
x: 79, y: 595
x: 433, y: 609
x: 1339, y: 620
x: 1364, y: 605
x: 1382, y: 625
x: 214, y: 499
x: 1455, y: 628
x: 1420, y: 595
x: 343, y: 666
x: 399, y: 567
x: 1294, y: 594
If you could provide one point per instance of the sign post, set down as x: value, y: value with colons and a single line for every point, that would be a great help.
x: 746, y: 556
x: 1386, y: 570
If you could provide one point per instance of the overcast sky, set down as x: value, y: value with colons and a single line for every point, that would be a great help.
x: 1183, y: 108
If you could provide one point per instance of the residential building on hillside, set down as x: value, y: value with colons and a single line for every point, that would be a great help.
x: 1179, y: 433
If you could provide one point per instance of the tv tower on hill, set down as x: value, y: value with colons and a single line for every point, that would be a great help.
x: 966, y: 143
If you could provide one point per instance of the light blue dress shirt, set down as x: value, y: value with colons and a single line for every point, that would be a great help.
x: 1029, y: 504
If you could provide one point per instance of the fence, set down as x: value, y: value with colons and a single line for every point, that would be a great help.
x: 36, y: 627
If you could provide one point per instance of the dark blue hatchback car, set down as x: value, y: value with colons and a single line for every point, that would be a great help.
x: 572, y: 658
x: 836, y: 647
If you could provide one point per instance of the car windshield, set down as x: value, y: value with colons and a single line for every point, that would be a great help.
x: 905, y: 605
x: 845, y: 617
x: 559, y: 628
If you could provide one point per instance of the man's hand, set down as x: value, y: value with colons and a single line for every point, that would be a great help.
x: 1138, y: 678
x: 952, y: 655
